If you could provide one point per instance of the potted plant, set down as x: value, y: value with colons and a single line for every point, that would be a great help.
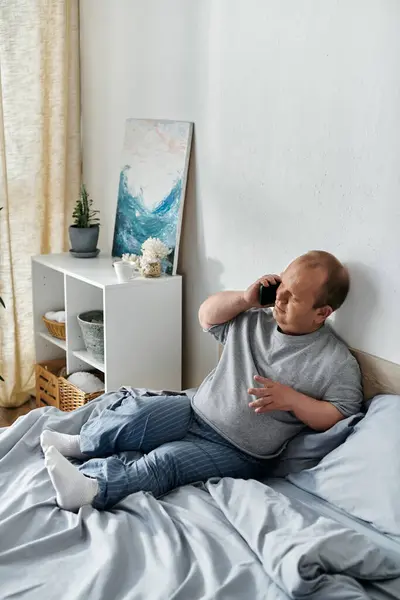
x: 84, y: 233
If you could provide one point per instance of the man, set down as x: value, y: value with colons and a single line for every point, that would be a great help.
x: 307, y: 377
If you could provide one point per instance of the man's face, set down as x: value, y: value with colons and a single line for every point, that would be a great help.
x: 296, y: 298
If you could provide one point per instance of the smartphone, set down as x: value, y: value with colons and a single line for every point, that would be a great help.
x: 268, y: 294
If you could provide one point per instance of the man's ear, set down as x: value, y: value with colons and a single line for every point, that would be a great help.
x: 324, y: 312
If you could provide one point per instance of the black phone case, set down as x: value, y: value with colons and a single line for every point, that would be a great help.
x: 268, y: 294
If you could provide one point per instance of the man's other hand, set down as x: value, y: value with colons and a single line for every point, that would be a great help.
x: 252, y: 294
x: 272, y: 396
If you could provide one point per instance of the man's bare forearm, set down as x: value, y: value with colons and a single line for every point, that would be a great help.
x: 222, y: 307
x: 317, y: 414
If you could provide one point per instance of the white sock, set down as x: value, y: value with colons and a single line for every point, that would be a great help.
x: 67, y: 445
x: 73, y: 488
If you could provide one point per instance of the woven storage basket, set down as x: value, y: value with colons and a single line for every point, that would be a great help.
x: 53, y: 390
x: 71, y: 397
x: 47, y: 382
x: 55, y: 328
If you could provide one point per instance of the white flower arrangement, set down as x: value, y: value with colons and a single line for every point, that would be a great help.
x: 154, y: 249
x: 131, y: 258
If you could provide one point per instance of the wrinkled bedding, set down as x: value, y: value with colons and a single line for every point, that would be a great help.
x: 223, y: 539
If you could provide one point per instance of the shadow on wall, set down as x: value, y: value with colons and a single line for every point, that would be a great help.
x: 214, y: 270
x: 360, y: 304
x: 201, y: 277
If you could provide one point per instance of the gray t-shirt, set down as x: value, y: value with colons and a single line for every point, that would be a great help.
x: 316, y: 364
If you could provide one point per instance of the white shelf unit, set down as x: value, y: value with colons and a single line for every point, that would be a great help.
x: 142, y: 320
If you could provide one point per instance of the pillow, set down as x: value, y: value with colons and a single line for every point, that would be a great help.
x: 306, y: 449
x: 362, y: 476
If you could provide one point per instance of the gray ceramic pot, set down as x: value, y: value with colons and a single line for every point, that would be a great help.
x: 92, y: 326
x: 84, y: 239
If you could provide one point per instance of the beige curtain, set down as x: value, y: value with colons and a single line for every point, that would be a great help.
x: 40, y: 164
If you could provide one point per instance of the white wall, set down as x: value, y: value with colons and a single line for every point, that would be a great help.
x: 296, y: 105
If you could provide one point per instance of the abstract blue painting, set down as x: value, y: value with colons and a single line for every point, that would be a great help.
x: 152, y: 186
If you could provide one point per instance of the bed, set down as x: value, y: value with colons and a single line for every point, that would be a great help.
x: 224, y: 539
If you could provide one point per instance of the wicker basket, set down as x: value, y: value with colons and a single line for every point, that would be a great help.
x: 53, y: 390
x: 47, y: 393
x: 71, y: 397
x: 55, y: 328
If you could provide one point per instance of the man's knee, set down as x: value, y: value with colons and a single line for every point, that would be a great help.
x: 166, y: 465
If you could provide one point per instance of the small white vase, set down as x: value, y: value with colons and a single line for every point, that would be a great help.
x: 125, y: 271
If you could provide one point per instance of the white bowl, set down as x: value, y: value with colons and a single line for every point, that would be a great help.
x: 125, y: 271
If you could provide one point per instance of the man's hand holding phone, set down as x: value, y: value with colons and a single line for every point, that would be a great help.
x: 254, y: 294
x: 225, y: 306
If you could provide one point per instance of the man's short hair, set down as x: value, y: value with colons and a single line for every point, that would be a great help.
x: 337, y: 284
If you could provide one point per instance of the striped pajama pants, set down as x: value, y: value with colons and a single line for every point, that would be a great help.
x: 178, y: 448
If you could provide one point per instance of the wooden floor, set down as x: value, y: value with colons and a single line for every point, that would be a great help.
x: 9, y: 415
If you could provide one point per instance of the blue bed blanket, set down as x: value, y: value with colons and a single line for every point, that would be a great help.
x: 224, y: 539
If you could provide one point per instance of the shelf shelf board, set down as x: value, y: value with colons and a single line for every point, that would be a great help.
x: 98, y: 272
x: 88, y: 358
x: 53, y: 340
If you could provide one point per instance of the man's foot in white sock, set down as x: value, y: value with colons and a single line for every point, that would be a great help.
x: 67, y: 445
x: 73, y: 489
